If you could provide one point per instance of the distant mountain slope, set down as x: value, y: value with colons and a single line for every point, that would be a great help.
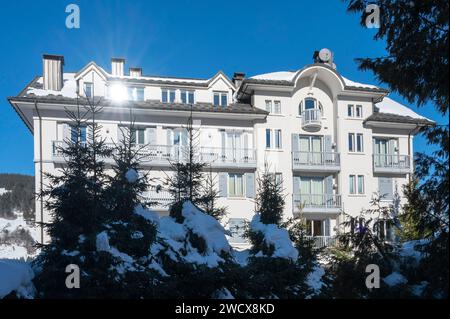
x: 19, y: 195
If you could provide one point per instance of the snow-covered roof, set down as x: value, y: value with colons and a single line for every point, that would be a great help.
x: 276, y: 76
x: 69, y: 88
x: 388, y: 105
x: 289, y: 76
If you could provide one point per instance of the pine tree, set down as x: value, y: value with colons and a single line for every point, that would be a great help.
x: 186, y: 182
x: 269, y: 199
x: 210, y: 195
x: 75, y: 199
x: 131, y: 229
x: 363, y: 242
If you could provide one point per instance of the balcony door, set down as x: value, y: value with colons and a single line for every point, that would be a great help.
x: 312, y: 191
x: 310, y: 148
x: 385, y: 151
x: 234, y: 144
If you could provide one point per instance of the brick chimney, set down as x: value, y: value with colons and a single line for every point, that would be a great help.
x: 53, y: 72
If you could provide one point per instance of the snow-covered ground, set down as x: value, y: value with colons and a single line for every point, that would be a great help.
x: 15, y: 272
x: 15, y: 250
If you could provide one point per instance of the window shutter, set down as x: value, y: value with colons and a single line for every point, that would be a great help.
x: 385, y: 187
x: 327, y: 227
x: 296, y: 186
x: 250, y: 185
x: 151, y: 136
x: 295, y: 142
x: 327, y: 145
x: 169, y: 139
x: 67, y: 133
x: 329, y: 185
x: 120, y: 133
x: 223, y: 183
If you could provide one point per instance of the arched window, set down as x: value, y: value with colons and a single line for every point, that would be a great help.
x: 309, y: 103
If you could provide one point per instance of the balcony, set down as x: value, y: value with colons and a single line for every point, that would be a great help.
x: 391, y: 163
x: 322, y: 241
x: 317, y: 203
x: 316, y: 161
x: 312, y: 120
x: 160, y: 198
x: 162, y: 155
x: 228, y: 157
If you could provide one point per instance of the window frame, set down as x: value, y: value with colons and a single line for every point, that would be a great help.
x: 278, y: 139
x: 168, y: 93
x: 91, y: 85
x: 233, y: 177
x: 358, y: 109
x: 351, y: 110
x: 352, y: 184
x: 268, y: 138
x: 187, y: 95
x: 277, y: 109
x: 361, y: 191
x: 221, y: 95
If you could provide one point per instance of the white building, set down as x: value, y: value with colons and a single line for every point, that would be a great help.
x: 332, y: 141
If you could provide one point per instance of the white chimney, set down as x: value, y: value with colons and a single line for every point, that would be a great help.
x: 117, y: 66
x: 53, y: 72
x: 135, y: 72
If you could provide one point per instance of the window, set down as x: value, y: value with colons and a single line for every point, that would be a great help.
x: 277, y: 107
x: 235, y: 185
x: 220, y: 98
x: 136, y: 94
x: 268, y: 137
x: 278, y: 139
x: 310, y: 103
x: 359, y: 143
x: 138, y: 136
x: 168, y: 96
x: 355, y: 145
x: 351, y: 142
x: 356, y: 183
x: 79, y: 136
x: 187, y: 97
x: 269, y: 106
x: 88, y: 90
x: 350, y: 110
x: 352, y: 184
x: 277, y: 178
x: 360, y: 184
x: 359, y: 111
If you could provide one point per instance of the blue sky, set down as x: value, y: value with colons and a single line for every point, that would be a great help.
x: 178, y: 38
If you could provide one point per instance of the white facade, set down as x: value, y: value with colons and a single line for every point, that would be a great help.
x: 333, y: 142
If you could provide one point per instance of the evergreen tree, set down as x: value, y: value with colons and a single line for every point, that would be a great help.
x: 130, y: 227
x: 416, y: 65
x: 186, y: 182
x: 75, y: 199
x: 210, y: 195
x: 271, y: 274
x: 190, y: 261
x: 269, y: 199
x: 366, y: 239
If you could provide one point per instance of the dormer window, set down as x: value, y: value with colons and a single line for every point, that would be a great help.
x: 220, y: 98
x: 187, y: 97
x: 88, y: 90
x: 168, y: 96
